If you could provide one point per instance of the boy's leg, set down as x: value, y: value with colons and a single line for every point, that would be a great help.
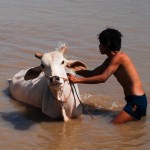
x: 122, y: 117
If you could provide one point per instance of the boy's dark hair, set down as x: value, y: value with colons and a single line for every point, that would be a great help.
x: 111, y: 38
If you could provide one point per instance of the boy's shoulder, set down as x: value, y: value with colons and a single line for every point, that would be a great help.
x: 122, y: 58
x: 121, y: 55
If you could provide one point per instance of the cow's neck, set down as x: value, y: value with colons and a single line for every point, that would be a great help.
x: 57, y: 94
x: 63, y: 93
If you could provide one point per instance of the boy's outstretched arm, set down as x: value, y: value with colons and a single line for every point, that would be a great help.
x: 84, y: 73
x: 100, y: 78
x: 98, y: 70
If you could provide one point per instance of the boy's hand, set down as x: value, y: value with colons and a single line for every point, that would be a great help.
x: 72, y: 78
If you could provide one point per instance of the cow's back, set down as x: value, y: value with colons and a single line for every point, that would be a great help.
x: 31, y: 91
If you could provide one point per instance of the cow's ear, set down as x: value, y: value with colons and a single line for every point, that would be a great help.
x: 76, y: 65
x: 32, y: 73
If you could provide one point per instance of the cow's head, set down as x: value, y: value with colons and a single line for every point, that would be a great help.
x: 54, y: 65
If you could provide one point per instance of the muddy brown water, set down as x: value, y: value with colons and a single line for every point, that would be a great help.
x: 33, y: 26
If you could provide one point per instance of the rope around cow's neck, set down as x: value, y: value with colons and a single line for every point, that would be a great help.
x: 72, y: 86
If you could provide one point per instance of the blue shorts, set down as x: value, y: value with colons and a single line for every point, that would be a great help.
x: 136, y: 106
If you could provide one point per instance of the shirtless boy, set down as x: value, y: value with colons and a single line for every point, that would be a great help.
x: 120, y: 65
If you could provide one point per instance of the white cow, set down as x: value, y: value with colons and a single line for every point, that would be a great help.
x: 47, y: 86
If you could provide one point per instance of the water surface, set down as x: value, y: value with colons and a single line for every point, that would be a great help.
x: 33, y: 26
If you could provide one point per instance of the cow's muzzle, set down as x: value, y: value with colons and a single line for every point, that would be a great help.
x: 56, y: 80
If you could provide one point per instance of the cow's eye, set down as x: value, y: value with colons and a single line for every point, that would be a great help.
x: 62, y: 62
x: 42, y: 65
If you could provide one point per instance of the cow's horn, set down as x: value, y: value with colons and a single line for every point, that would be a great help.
x: 63, y: 49
x: 38, y: 55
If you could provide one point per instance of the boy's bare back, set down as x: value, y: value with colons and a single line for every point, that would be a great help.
x: 127, y: 75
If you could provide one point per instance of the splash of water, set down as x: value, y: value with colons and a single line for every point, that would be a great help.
x: 60, y: 45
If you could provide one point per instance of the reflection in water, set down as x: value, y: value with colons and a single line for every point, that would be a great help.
x: 17, y: 120
x: 133, y: 135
